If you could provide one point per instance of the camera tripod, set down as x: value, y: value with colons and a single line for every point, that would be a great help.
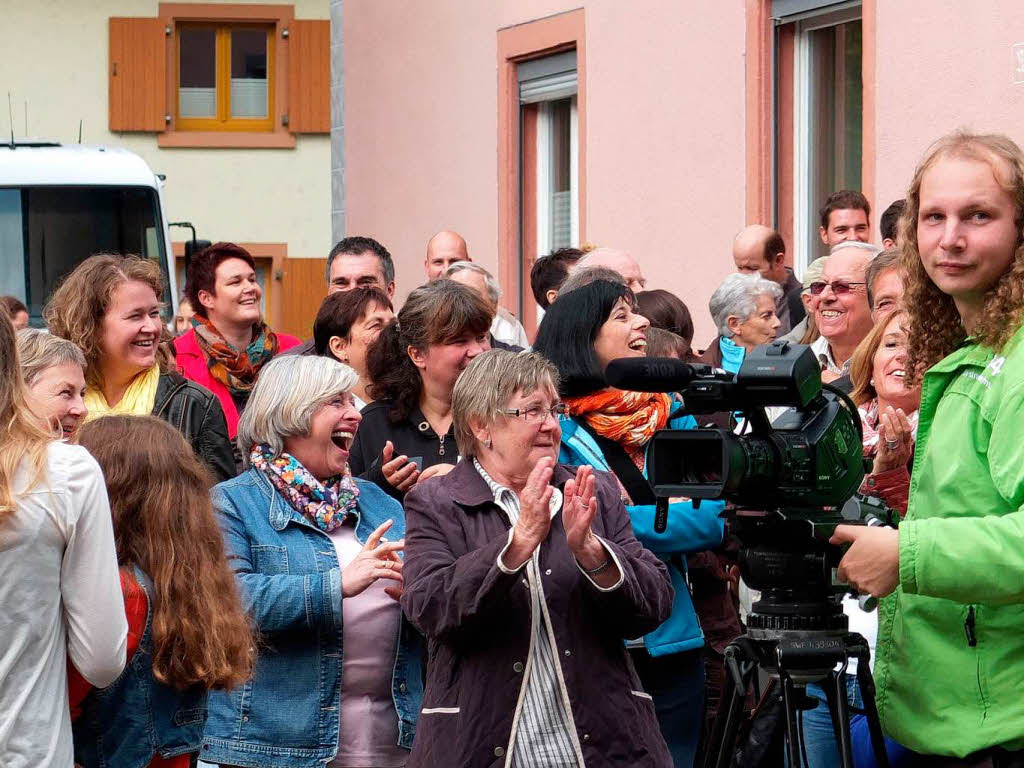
x: 793, y: 658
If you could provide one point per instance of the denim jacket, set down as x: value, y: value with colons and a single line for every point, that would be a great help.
x: 688, y: 530
x: 135, y: 718
x: 289, y: 581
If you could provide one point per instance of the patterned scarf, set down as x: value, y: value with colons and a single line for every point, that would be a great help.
x: 869, y: 426
x: 236, y: 370
x: 628, y: 418
x: 323, y: 504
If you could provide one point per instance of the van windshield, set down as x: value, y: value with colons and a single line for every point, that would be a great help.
x: 46, y: 231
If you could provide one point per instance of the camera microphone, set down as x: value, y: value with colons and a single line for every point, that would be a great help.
x: 652, y: 374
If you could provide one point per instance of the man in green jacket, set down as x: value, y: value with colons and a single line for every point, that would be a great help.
x: 950, y: 657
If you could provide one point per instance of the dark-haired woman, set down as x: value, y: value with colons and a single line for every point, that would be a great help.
x: 229, y: 343
x: 187, y: 633
x: 609, y: 429
x: 666, y: 311
x: 347, y: 324
x: 407, y: 433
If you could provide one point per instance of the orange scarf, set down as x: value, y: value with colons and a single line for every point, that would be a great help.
x: 628, y: 418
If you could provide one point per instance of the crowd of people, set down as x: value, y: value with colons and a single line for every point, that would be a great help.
x: 417, y: 540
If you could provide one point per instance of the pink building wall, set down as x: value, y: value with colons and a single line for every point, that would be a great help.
x: 665, y: 146
x: 942, y: 65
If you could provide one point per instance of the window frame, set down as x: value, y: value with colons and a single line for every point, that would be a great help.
x: 222, y: 81
x: 183, y: 132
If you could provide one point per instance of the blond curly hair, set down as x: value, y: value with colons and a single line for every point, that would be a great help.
x: 935, y: 325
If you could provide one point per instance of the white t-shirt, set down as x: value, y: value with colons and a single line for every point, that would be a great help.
x: 60, y: 597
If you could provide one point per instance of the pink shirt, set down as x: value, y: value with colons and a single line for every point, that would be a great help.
x: 369, y: 723
x: 192, y: 364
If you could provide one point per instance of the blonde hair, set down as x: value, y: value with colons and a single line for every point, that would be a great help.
x: 40, y: 350
x: 23, y: 439
x: 488, y: 383
x: 935, y: 325
x: 76, y: 310
x: 863, y: 361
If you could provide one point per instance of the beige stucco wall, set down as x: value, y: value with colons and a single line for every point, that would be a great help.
x: 56, y: 54
x: 942, y: 65
x: 665, y: 160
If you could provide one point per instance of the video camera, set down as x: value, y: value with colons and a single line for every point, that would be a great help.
x: 790, y: 482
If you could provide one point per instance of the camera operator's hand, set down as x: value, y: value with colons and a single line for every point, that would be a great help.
x: 872, y: 563
x: 895, y: 440
x: 534, y: 515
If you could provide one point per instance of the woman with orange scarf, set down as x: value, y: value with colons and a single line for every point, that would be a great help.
x: 609, y: 429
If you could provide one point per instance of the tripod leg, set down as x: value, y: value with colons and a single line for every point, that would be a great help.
x: 867, y: 693
x: 793, y: 732
x: 828, y: 685
x: 727, y: 721
x: 841, y: 719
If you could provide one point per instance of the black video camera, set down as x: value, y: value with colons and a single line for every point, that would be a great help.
x: 790, y: 482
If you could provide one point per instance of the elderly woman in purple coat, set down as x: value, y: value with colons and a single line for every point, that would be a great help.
x: 526, y: 579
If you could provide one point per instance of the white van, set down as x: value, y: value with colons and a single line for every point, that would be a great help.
x: 61, y: 204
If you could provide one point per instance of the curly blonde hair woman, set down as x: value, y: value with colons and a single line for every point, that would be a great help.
x: 60, y: 594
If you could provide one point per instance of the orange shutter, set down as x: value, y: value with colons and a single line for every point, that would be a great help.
x: 309, y: 76
x: 138, y: 74
x: 302, y: 290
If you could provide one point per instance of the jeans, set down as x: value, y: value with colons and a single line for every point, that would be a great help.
x: 676, y: 682
x: 820, y: 741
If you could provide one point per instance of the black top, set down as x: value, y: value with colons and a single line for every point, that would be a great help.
x: 413, y: 437
x: 195, y: 412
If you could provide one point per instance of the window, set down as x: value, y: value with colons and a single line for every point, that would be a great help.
x: 225, y: 78
x: 549, y: 159
x: 220, y: 75
x: 47, y: 231
x: 818, y: 114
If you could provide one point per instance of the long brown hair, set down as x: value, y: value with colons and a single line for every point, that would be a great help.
x: 76, y: 310
x: 22, y: 436
x: 164, y: 524
x: 935, y: 325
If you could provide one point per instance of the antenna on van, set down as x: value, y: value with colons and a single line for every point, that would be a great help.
x: 10, y: 114
x: 79, y: 130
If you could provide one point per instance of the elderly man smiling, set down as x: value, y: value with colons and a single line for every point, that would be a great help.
x: 842, y: 314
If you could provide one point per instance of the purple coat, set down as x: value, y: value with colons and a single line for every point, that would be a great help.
x: 477, y: 621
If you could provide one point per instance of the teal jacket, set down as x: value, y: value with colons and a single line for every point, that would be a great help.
x: 688, y: 530
x: 950, y: 655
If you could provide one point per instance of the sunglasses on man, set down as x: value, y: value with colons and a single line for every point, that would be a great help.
x: 839, y: 287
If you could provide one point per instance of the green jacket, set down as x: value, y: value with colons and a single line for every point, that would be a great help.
x: 950, y: 656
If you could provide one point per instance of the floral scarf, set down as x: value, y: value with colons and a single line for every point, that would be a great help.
x: 869, y: 426
x: 323, y: 504
x: 628, y: 418
x: 236, y: 370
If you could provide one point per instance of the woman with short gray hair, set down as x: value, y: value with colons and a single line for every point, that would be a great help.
x: 743, y: 308
x: 54, y: 372
x: 320, y: 582
x: 530, y: 677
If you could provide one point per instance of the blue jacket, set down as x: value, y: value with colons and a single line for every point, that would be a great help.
x: 136, y: 718
x: 290, y: 585
x: 688, y: 530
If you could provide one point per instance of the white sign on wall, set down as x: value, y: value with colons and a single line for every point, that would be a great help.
x: 1018, y: 64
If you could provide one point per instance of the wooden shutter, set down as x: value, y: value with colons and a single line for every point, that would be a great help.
x: 138, y: 74
x: 302, y: 290
x: 309, y: 76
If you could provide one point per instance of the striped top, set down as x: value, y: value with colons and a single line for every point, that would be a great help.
x: 543, y: 731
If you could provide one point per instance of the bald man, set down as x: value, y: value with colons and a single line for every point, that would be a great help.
x: 617, y: 261
x: 444, y: 249
x: 758, y: 249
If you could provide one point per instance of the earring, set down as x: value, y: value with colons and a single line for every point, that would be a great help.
x: 487, y: 442
x: 872, y: 382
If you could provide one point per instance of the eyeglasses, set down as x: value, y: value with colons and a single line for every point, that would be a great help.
x: 537, y: 415
x: 839, y: 287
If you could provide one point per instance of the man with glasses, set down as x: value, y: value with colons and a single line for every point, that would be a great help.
x: 842, y: 314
